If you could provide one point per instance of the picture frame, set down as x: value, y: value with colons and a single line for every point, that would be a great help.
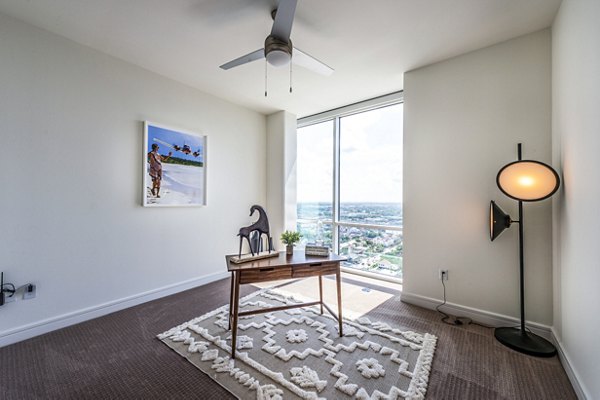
x: 174, y: 167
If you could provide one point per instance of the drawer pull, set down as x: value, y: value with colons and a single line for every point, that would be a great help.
x: 266, y: 269
x: 315, y: 265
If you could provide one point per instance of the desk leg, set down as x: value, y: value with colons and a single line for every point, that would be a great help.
x: 236, y: 304
x: 338, y: 280
x: 231, y: 301
x: 321, y: 292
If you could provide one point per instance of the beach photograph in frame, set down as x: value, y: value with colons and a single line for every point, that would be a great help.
x: 174, y: 167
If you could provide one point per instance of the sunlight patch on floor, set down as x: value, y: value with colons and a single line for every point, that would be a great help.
x: 358, y: 296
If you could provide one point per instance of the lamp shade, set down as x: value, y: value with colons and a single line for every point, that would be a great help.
x: 528, y: 180
x: 499, y: 221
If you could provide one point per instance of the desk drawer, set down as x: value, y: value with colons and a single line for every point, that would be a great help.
x: 265, y: 274
x: 314, y: 269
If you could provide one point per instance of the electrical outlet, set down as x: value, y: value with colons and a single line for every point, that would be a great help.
x: 443, y: 274
x: 29, y: 292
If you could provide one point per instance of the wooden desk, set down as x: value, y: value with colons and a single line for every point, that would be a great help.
x: 282, y: 267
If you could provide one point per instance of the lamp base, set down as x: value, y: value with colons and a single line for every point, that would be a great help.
x: 525, y: 342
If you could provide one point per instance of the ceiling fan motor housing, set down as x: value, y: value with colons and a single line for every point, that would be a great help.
x: 278, y: 52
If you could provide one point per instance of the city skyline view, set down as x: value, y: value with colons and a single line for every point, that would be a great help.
x: 370, y: 249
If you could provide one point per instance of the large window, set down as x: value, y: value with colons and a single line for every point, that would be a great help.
x: 314, y: 168
x: 349, y: 171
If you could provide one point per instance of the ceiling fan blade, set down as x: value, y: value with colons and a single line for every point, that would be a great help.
x: 284, y: 18
x: 309, y: 62
x: 255, y: 55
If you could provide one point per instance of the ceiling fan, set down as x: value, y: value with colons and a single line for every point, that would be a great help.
x: 278, y: 48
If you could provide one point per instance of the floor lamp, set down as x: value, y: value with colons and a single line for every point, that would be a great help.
x: 522, y: 180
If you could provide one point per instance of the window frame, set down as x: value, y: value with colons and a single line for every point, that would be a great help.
x: 336, y: 115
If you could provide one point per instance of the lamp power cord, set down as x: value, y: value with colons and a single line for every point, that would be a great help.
x: 11, y: 289
x: 451, y: 319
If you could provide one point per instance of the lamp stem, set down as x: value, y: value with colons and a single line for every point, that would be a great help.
x: 521, y: 267
x: 521, y: 256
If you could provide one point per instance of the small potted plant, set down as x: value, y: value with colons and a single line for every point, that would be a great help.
x: 290, y: 238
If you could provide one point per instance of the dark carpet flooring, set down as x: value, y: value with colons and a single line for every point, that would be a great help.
x: 119, y: 357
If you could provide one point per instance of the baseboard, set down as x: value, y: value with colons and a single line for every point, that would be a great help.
x: 480, y: 316
x: 580, y: 391
x: 72, y: 318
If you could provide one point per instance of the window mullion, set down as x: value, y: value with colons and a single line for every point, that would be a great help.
x: 336, y: 184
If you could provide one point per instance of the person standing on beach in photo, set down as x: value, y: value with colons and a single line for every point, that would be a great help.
x: 155, y: 161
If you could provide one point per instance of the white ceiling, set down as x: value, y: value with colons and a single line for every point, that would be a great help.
x: 369, y: 43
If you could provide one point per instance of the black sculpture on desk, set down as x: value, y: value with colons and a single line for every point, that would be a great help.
x: 261, y: 226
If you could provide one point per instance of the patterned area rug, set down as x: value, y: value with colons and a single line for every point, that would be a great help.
x: 297, y: 353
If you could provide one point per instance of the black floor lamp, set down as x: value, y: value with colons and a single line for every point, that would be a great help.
x: 522, y: 180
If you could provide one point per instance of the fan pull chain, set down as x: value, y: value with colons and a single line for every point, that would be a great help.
x: 265, y: 77
x: 290, y: 76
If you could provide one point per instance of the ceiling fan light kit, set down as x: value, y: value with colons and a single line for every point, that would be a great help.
x: 278, y: 52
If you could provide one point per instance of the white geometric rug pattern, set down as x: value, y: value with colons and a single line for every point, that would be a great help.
x: 297, y: 353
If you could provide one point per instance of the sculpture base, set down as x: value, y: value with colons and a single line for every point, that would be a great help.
x: 257, y: 256
x: 525, y: 342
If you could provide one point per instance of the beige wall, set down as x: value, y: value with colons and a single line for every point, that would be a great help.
x: 281, y: 174
x: 463, y: 120
x: 576, y: 142
x: 72, y: 220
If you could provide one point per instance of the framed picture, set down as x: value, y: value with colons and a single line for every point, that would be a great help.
x: 174, y: 167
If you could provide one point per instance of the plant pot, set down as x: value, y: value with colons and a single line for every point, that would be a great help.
x: 289, y: 249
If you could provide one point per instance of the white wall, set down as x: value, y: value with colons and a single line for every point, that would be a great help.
x: 576, y: 142
x: 463, y: 120
x: 281, y: 174
x: 72, y: 220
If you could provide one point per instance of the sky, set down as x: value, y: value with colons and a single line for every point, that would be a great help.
x: 370, y: 158
x: 172, y: 137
